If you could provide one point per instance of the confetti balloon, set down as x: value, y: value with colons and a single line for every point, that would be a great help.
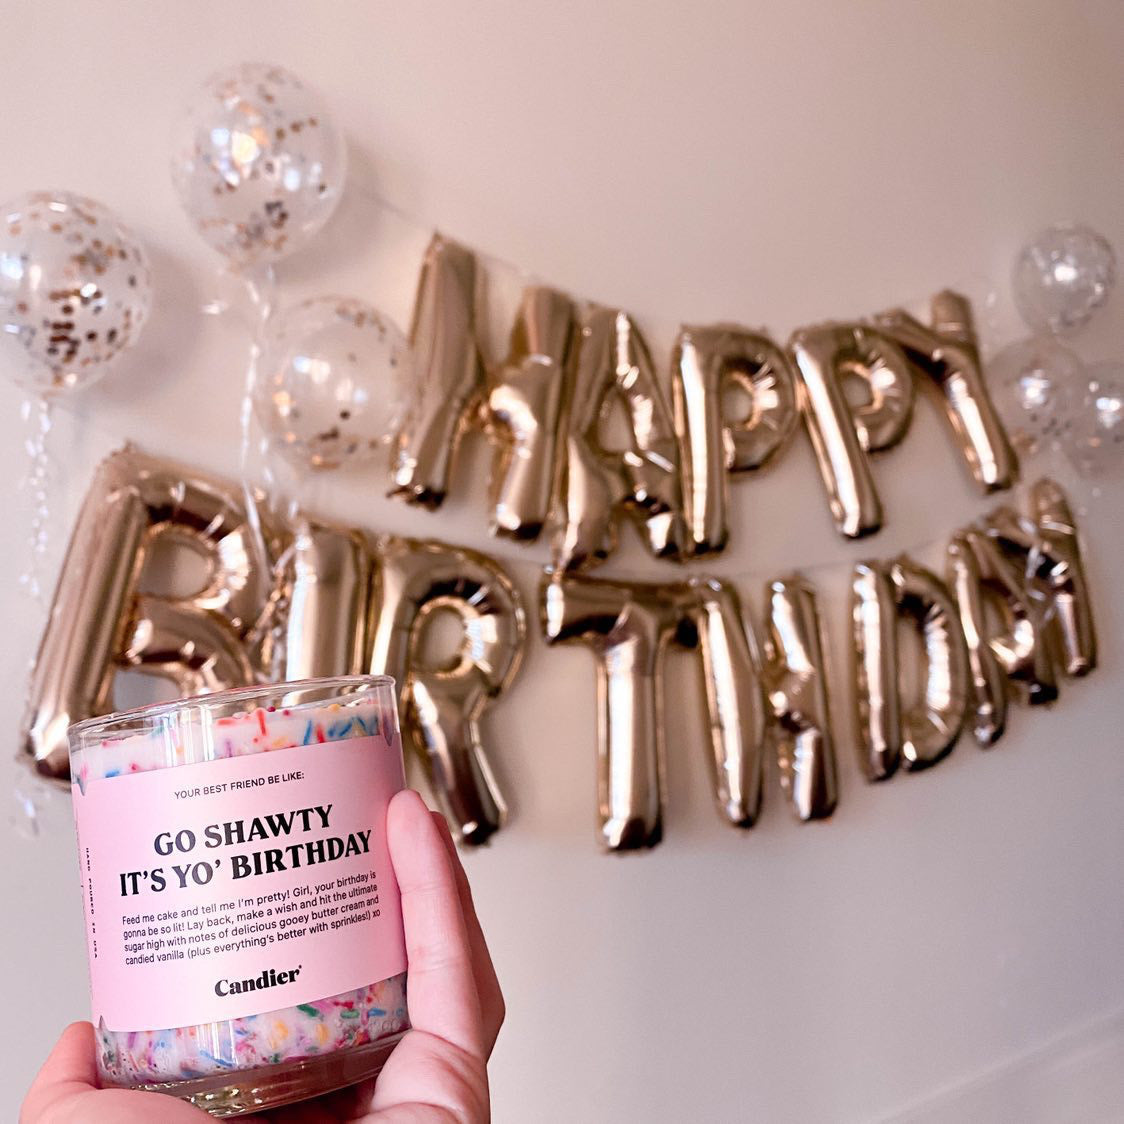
x: 1033, y: 383
x: 1094, y: 436
x: 75, y: 290
x: 258, y: 163
x: 332, y: 383
x: 1063, y: 277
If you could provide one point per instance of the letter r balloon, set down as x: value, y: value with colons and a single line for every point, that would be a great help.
x: 442, y: 703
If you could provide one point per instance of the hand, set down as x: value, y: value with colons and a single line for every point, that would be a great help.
x: 436, y: 1073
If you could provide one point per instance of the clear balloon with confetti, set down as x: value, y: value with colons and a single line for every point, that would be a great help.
x: 258, y: 163
x: 75, y: 290
x: 1033, y: 382
x: 1062, y: 278
x: 1094, y: 432
x: 332, y: 382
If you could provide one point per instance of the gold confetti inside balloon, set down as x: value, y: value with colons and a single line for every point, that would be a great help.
x: 75, y: 290
x: 332, y: 382
x: 258, y: 163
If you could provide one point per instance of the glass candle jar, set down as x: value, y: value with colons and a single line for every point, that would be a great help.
x: 243, y: 923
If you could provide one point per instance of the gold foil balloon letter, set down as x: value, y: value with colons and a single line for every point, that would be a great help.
x: 100, y: 622
x: 1024, y: 606
x: 731, y: 671
x: 442, y: 703
x: 707, y: 364
x: 1057, y: 574
x: 987, y: 585
x: 628, y: 626
x: 920, y: 732
x: 450, y: 377
x: 843, y: 434
x: 328, y: 592
x: 525, y: 401
x: 797, y: 689
x: 948, y: 355
x: 614, y: 367
x: 878, y: 708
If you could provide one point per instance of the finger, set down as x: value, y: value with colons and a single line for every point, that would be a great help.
x: 65, y: 1091
x: 72, y: 1059
x: 492, y: 1006
x: 428, y: 1078
x: 441, y: 989
x: 484, y: 972
x: 70, y: 1068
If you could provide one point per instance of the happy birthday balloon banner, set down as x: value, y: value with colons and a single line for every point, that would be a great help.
x: 1013, y: 617
x: 545, y: 404
x: 259, y: 166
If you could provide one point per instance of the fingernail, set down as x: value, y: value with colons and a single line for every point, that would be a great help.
x: 407, y: 796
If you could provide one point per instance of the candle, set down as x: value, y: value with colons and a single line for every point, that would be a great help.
x: 244, y: 926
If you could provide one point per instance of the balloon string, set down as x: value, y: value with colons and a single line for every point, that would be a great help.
x: 260, y: 289
x: 261, y: 286
x: 283, y: 492
x: 703, y: 569
x: 979, y: 287
x: 36, y: 415
x: 492, y: 262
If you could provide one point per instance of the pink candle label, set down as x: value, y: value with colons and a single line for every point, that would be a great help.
x: 242, y: 885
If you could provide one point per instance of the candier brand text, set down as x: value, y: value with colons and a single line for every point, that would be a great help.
x: 269, y: 977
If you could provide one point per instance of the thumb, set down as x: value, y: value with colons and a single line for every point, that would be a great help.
x: 70, y: 1068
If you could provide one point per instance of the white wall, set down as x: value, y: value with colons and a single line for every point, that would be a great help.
x: 775, y: 164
